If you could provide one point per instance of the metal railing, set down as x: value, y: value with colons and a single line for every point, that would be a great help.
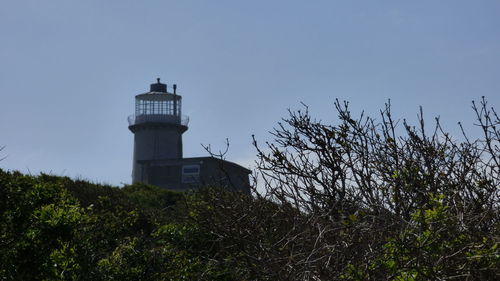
x: 158, y: 118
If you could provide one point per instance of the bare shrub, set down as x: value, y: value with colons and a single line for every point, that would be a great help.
x: 360, y: 201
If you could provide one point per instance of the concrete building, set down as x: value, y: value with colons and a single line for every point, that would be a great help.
x: 158, y: 125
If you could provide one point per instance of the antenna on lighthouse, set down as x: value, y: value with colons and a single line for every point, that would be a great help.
x: 175, y: 99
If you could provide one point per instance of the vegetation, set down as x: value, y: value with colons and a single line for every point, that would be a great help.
x: 55, y: 228
x: 367, y: 200
x: 361, y: 200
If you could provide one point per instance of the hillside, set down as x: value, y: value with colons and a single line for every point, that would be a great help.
x: 56, y: 228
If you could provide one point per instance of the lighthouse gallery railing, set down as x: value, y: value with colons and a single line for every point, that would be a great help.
x: 158, y: 118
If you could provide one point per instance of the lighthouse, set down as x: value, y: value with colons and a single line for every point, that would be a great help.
x: 158, y: 125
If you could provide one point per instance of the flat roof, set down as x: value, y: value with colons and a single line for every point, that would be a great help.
x: 161, y: 162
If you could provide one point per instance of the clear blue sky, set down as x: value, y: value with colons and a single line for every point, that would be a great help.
x: 69, y: 70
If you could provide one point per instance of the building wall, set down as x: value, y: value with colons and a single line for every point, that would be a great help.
x: 165, y: 176
x: 222, y: 173
x: 192, y: 173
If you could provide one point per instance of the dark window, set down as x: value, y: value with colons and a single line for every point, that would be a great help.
x: 191, y: 170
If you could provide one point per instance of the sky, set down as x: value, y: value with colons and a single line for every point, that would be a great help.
x: 69, y: 71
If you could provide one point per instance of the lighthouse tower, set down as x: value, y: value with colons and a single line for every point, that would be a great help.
x: 158, y: 127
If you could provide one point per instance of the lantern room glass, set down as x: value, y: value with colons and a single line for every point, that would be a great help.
x: 158, y: 106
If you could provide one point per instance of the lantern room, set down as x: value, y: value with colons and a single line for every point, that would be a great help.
x: 158, y: 106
